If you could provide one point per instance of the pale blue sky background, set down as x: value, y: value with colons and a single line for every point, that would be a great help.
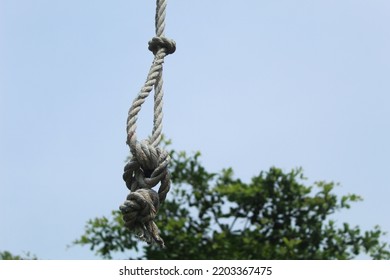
x: 253, y: 84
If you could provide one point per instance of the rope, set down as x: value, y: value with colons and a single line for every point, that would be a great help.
x: 148, y: 164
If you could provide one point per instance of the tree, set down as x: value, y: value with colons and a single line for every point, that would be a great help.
x: 6, y: 255
x: 216, y: 216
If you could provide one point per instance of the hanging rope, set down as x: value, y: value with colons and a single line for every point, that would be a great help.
x: 148, y: 165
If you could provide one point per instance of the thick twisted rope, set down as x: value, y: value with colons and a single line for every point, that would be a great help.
x: 148, y: 165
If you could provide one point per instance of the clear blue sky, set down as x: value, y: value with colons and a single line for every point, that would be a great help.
x: 253, y: 84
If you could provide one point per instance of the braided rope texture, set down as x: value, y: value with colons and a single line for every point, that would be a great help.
x: 148, y: 165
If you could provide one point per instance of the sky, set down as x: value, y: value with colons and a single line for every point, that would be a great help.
x: 252, y: 84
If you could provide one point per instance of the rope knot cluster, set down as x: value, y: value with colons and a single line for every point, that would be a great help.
x: 158, y: 43
x: 148, y: 165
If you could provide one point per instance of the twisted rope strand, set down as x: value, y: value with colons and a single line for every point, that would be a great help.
x: 161, y: 6
x: 149, y: 163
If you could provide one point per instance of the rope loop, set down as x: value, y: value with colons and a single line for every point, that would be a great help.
x: 148, y: 165
x: 158, y: 43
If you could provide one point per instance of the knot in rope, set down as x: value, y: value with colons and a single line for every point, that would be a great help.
x: 139, y: 211
x: 148, y: 165
x: 158, y: 43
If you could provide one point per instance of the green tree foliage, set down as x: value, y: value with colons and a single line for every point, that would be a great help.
x: 216, y: 216
x: 6, y: 255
